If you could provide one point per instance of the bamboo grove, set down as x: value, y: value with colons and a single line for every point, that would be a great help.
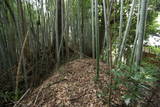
x: 39, y: 35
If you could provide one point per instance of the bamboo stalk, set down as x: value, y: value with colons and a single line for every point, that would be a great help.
x: 19, y: 65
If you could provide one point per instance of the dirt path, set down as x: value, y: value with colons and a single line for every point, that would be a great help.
x: 73, y: 86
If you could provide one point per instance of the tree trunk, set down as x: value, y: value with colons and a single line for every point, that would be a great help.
x: 93, y: 31
x: 141, y: 32
x: 97, y: 39
x: 58, y: 29
x: 126, y: 31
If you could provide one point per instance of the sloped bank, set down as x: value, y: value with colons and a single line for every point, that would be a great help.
x: 74, y: 86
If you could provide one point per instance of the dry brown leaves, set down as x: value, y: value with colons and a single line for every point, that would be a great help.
x: 72, y: 86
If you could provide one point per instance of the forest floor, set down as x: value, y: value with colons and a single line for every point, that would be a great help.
x: 74, y: 85
x: 154, y: 99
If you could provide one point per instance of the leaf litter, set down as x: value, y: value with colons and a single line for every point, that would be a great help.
x: 74, y: 86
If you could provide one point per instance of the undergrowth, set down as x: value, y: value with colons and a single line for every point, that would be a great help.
x: 138, y: 81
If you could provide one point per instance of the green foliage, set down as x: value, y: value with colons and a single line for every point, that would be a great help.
x: 8, y: 96
x: 134, y: 79
x: 152, y: 25
x: 153, y: 49
x: 104, y: 56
